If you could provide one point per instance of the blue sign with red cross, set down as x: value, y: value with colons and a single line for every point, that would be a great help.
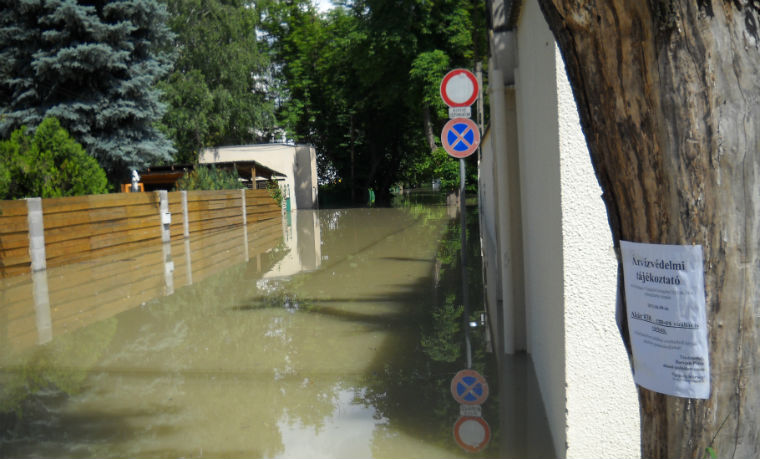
x: 460, y: 137
x: 468, y: 387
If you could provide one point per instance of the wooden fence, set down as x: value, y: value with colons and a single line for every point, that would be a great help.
x: 111, y: 256
x: 88, y: 227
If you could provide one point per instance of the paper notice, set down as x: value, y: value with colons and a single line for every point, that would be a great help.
x: 665, y: 297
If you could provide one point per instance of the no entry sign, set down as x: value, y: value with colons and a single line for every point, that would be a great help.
x: 460, y: 137
x: 459, y: 88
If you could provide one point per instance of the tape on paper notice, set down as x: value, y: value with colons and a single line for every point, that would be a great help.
x: 665, y: 295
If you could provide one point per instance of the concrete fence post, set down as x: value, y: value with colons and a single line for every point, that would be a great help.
x: 39, y: 270
x: 185, y: 223
x: 166, y: 216
x: 166, y: 221
x: 36, y: 234
x: 186, y: 230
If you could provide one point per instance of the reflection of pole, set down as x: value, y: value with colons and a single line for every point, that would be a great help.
x: 42, y: 307
x: 245, y: 226
x: 39, y: 269
x: 186, y: 232
x: 463, y: 257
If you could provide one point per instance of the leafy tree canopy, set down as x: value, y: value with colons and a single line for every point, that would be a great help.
x: 218, y: 92
x: 92, y: 65
x: 360, y: 82
x: 47, y: 162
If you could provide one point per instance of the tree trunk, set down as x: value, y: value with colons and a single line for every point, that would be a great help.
x: 668, y: 95
x: 429, y: 134
x: 352, y: 177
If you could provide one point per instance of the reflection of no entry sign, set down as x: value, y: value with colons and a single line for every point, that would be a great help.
x: 459, y: 88
x: 460, y: 137
x: 471, y: 433
x: 469, y: 388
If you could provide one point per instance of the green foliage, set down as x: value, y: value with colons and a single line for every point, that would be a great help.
x: 427, y: 71
x: 435, y: 165
x: 209, y: 178
x: 47, y: 163
x: 359, y: 81
x: 441, y: 343
x: 218, y: 92
x: 5, y: 179
x: 93, y: 66
x: 275, y: 191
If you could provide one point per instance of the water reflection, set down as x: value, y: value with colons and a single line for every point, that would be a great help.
x: 303, y: 239
x: 340, y: 342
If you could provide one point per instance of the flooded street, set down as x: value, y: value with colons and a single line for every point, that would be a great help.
x: 340, y: 341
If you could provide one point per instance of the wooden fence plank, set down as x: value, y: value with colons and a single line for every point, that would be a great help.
x: 88, y: 227
x: 99, y: 241
x: 62, y: 219
x: 116, y: 271
x: 64, y: 233
x: 212, y: 195
x: 13, y: 257
x: 98, y: 201
x: 196, y: 216
x: 216, y: 204
x: 14, y: 208
x: 14, y: 240
x: 14, y: 224
x: 63, y: 258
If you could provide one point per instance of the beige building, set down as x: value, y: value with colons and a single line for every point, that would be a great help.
x: 295, y: 166
x: 550, y: 267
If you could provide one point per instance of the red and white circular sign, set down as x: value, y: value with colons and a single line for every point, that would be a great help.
x: 472, y: 433
x: 459, y: 88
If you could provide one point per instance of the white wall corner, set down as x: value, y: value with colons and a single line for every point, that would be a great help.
x: 602, y: 404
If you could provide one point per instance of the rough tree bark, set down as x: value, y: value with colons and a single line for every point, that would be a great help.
x: 668, y: 93
x: 429, y: 134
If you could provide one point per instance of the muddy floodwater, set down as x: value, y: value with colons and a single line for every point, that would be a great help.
x: 340, y: 340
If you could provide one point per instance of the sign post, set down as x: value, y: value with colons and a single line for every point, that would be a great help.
x: 460, y: 138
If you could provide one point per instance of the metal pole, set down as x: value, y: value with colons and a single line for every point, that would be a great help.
x: 463, y: 258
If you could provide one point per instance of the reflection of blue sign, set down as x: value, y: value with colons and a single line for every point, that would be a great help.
x: 469, y: 388
x: 460, y: 137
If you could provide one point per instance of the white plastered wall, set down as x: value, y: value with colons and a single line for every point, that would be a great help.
x: 570, y: 267
x: 297, y: 162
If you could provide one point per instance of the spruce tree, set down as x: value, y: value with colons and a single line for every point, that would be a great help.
x: 92, y: 65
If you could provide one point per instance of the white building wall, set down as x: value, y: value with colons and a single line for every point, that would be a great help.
x: 602, y: 404
x: 570, y: 267
x: 538, y: 139
x: 297, y: 162
x: 488, y: 240
x: 305, y: 177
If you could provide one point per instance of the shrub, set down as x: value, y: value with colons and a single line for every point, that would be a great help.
x: 209, y: 178
x: 275, y: 191
x: 47, y: 162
